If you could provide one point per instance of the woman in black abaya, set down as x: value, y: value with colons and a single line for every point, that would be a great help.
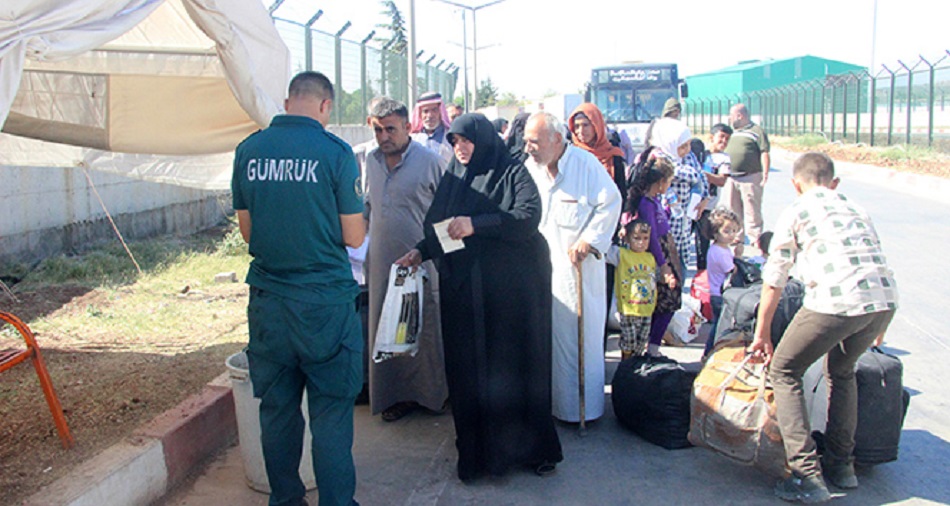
x: 496, y: 305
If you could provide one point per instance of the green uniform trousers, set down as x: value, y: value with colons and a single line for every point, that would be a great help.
x: 296, y: 345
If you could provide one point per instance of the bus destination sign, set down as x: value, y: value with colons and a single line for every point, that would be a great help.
x: 630, y: 75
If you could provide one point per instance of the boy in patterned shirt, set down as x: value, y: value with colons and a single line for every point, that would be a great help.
x: 850, y: 299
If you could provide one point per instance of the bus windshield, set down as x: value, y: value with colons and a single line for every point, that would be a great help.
x: 635, y: 92
x: 631, y: 106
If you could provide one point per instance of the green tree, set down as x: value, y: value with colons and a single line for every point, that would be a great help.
x: 395, y: 28
x: 487, y: 94
x: 509, y: 98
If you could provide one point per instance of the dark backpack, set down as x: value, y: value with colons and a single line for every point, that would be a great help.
x: 744, y: 274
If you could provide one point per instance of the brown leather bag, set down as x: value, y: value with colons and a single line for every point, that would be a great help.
x: 732, y: 409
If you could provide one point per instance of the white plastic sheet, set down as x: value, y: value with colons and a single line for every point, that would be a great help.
x: 165, y: 88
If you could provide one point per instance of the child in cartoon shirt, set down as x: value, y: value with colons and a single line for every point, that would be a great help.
x: 635, y: 287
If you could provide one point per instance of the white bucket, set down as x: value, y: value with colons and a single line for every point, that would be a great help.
x: 247, y: 409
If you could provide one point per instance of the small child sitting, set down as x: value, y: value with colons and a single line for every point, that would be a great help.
x: 635, y: 286
x: 724, y: 225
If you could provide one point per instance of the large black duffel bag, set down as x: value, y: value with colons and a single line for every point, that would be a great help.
x: 651, y: 396
x: 740, y: 306
x: 882, y: 404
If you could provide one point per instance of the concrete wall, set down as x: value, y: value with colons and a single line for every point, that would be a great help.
x: 353, y: 134
x: 46, y: 211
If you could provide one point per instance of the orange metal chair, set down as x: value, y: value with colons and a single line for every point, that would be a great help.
x: 10, y: 358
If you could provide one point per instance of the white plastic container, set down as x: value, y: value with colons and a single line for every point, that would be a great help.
x: 247, y: 408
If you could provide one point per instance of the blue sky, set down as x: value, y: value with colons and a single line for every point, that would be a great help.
x: 535, y: 46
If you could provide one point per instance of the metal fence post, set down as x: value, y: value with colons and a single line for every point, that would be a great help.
x: 338, y: 67
x: 363, y: 74
x: 910, y: 96
x: 857, y: 109
x: 702, y: 115
x: 787, y: 108
x: 844, y: 112
x: 308, y: 39
x: 834, y: 96
x: 338, y: 78
x: 873, y: 106
x: 814, y: 105
x: 931, y: 97
x: 890, y: 105
x: 798, y: 108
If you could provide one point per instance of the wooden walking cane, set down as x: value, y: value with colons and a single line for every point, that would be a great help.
x: 582, y: 429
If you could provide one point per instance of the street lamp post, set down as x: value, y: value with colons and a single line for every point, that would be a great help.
x: 411, y: 54
x: 474, y: 9
x: 465, y: 61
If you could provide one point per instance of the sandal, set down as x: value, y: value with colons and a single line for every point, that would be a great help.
x: 398, y: 410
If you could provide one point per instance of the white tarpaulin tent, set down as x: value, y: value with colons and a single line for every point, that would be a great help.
x: 162, y: 90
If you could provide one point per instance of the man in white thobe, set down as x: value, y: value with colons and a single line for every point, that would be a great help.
x: 580, y: 210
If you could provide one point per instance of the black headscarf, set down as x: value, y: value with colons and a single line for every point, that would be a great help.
x: 499, y: 124
x: 515, y: 140
x: 488, y: 162
x: 493, y: 188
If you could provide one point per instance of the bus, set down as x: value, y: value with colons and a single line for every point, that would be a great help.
x: 632, y: 95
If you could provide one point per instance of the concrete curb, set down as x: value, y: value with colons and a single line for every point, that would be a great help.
x: 155, y: 458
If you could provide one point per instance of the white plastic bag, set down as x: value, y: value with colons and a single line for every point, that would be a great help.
x: 400, y: 322
x: 687, y: 320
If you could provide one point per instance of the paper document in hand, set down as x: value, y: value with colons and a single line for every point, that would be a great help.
x: 442, y: 231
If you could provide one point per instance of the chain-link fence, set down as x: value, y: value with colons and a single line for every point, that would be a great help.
x: 900, y: 104
x: 359, y: 72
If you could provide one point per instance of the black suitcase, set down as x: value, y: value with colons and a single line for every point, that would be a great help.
x: 882, y: 405
x: 651, y: 396
x: 740, y: 306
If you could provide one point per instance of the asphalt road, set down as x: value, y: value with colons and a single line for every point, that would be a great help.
x: 911, y: 222
x: 412, y: 461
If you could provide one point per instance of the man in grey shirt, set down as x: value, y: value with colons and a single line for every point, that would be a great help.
x: 401, y: 178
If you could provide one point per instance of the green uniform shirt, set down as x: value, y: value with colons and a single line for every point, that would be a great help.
x: 745, y: 149
x: 296, y: 179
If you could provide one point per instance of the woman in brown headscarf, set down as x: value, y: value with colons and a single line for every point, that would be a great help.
x: 590, y: 134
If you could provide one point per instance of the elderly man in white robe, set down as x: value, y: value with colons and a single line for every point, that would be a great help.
x: 580, y: 210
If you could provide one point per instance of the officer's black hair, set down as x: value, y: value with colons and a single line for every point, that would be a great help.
x: 311, y: 83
